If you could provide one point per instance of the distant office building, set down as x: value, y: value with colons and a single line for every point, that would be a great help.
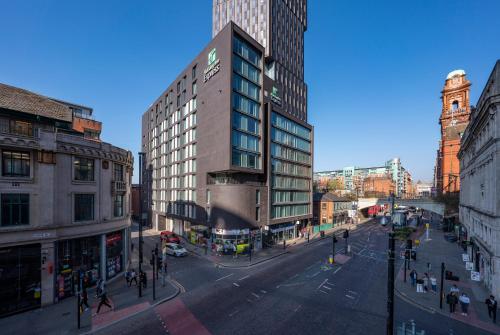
x: 479, y: 210
x: 423, y: 190
x: 65, y: 200
x: 224, y: 154
x: 354, y: 177
x: 454, y: 118
x: 378, y: 186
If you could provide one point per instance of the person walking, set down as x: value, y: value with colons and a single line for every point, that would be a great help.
x: 492, y: 308
x: 413, y: 277
x: 143, y: 278
x: 133, y: 277
x: 449, y: 300
x: 433, y: 284
x: 454, y: 289
x: 426, y: 282
x: 464, y: 303
x: 84, y: 299
x: 103, y: 298
x: 127, y: 277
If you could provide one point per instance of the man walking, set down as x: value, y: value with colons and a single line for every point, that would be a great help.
x: 104, y: 299
x: 449, y: 301
x: 492, y: 308
x: 413, y: 277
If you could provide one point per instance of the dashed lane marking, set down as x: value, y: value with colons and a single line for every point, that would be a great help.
x: 334, y: 272
x: 327, y: 287
x: 256, y: 295
x: 288, y: 285
x: 349, y: 296
x: 229, y: 275
x: 233, y: 313
x: 235, y: 284
x: 262, y: 291
x: 294, y: 276
x: 314, y: 275
x: 243, y: 278
x: 298, y: 307
x: 323, y: 291
x: 323, y: 283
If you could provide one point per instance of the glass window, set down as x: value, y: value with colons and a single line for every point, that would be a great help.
x: 117, y: 172
x: 290, y: 126
x: 245, y: 159
x: 84, y: 169
x: 246, y: 87
x: 245, y: 105
x: 257, y: 213
x: 193, y: 72
x: 84, y: 207
x: 118, y: 205
x: 247, y: 52
x: 257, y: 197
x: 246, y: 70
x: 245, y: 123
x: 15, y: 209
x: 245, y: 141
x: 194, y: 88
x: 15, y: 164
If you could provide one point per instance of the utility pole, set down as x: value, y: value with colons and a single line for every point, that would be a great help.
x: 334, y: 239
x: 390, y: 285
x: 392, y: 211
x: 441, y: 293
x: 153, y: 262
x: 141, y: 159
x: 250, y: 247
x: 78, y: 300
x: 346, y: 236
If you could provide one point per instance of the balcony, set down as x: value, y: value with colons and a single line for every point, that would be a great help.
x: 118, y: 187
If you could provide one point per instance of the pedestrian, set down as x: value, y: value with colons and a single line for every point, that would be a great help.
x: 450, y: 300
x: 426, y: 282
x: 464, y: 303
x: 104, y: 299
x: 492, y: 308
x: 433, y: 283
x: 133, y: 277
x: 127, y: 277
x: 143, y: 279
x: 413, y: 277
x: 454, y: 289
x: 84, y: 299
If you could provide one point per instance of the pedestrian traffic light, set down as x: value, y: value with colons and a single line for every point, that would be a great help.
x: 409, y: 244
x: 346, y: 234
x: 334, y: 239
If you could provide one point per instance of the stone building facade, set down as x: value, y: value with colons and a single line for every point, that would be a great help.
x: 479, y: 210
x: 64, y: 197
x: 454, y: 118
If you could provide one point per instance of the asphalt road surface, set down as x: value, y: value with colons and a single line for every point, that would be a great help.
x: 298, y: 293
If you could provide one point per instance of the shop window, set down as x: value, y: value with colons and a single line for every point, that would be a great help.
x: 84, y: 207
x: 15, y: 209
x: 15, y: 163
x: 114, y: 254
x: 84, y: 169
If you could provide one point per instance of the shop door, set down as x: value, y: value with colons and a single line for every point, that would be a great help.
x: 20, y: 279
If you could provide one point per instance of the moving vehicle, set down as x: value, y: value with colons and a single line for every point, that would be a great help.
x: 169, y: 237
x: 175, y: 249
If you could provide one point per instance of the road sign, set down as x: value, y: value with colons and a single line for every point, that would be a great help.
x: 468, y: 266
x: 465, y: 258
x: 476, y: 276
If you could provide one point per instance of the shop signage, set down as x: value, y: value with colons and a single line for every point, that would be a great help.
x: 275, y: 96
x: 231, y: 231
x: 113, y: 238
x: 213, y: 65
x: 475, y: 276
x: 41, y: 235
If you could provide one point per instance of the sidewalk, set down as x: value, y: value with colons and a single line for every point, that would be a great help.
x: 61, y: 318
x: 243, y: 261
x: 435, y: 251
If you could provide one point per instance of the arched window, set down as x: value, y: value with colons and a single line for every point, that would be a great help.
x: 454, y: 106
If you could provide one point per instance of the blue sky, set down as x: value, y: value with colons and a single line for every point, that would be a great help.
x: 374, y: 69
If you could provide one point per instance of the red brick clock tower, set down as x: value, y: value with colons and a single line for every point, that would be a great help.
x: 454, y: 119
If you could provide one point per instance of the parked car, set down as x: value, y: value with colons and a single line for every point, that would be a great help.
x: 169, y: 237
x: 175, y: 249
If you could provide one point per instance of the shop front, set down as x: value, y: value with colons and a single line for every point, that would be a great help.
x: 197, y: 234
x: 114, y: 254
x: 280, y: 232
x: 20, y: 278
x: 75, y: 256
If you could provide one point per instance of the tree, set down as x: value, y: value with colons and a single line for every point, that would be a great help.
x: 334, y: 185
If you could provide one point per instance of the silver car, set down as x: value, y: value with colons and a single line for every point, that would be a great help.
x: 175, y: 250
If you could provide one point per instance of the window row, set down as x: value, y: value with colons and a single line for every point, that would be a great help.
x: 290, y: 126
x: 289, y: 168
x: 246, y: 87
x: 289, y: 210
x: 246, y: 51
x: 245, y: 159
x: 290, y: 140
x: 246, y: 70
x: 245, y: 105
x: 188, y: 181
x: 187, y: 210
x: 290, y: 196
x: 290, y: 154
x: 245, y: 123
x: 290, y: 182
x: 245, y: 141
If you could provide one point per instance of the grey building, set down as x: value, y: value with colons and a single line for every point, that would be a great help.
x: 479, y: 209
x: 223, y: 155
x: 65, y: 200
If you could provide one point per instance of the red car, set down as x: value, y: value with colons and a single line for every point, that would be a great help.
x: 169, y: 237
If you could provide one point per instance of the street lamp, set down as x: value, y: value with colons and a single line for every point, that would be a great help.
x: 141, y: 160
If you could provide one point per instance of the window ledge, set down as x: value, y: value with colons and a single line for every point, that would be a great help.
x: 83, y: 182
x: 29, y: 180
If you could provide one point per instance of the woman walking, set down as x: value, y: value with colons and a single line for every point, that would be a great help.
x: 464, y: 303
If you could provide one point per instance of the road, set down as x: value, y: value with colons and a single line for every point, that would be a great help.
x: 298, y: 293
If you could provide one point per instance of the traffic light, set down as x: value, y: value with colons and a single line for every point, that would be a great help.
x: 346, y: 234
x: 334, y: 239
x: 409, y: 244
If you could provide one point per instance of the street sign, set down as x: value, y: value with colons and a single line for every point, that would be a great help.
x: 469, y: 266
x: 465, y: 258
x: 476, y: 276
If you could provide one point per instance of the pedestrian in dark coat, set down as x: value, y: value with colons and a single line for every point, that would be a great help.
x: 103, y: 298
x: 413, y: 277
x: 492, y: 308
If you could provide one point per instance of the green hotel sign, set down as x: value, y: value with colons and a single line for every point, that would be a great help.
x: 213, y: 65
x: 275, y: 96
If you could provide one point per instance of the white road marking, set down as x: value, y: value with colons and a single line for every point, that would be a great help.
x: 352, y: 292
x: 349, y: 296
x: 298, y: 307
x: 236, y: 285
x: 294, y: 276
x: 323, y: 283
x: 314, y: 275
x: 236, y: 311
x: 250, y: 301
x: 225, y: 277
x: 334, y: 272
x: 324, y: 292
x: 256, y: 295
x: 262, y: 291
x: 243, y: 278
x: 288, y: 285
x: 327, y: 287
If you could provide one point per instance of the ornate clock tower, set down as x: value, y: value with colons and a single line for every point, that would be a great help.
x: 454, y: 119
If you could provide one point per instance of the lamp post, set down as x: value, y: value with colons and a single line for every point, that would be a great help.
x: 141, y: 159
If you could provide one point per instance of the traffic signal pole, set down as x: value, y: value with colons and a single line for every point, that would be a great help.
x: 390, y: 285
